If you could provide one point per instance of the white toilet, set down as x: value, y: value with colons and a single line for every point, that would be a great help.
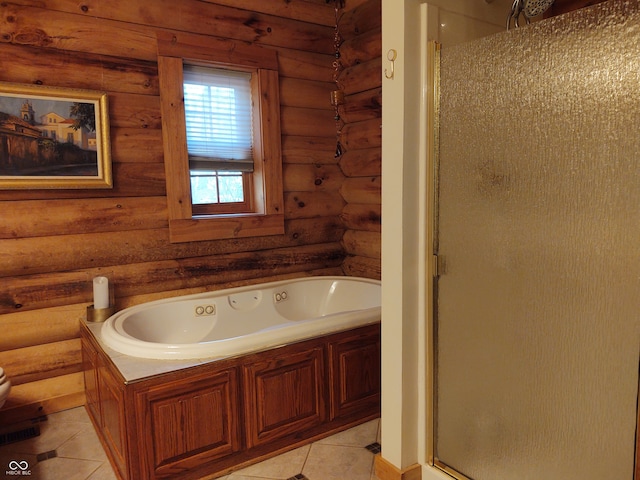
x: 5, y: 386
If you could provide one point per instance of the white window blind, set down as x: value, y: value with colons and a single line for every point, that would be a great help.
x: 218, y: 113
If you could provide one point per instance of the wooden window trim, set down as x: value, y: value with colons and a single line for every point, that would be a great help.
x: 268, y: 215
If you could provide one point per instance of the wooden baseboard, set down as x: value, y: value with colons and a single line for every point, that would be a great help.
x: 387, y: 471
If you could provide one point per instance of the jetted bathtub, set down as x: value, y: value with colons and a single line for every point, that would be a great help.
x: 240, y: 320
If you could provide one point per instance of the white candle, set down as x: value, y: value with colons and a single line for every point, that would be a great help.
x: 100, y: 292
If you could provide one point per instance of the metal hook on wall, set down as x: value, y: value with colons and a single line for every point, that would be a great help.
x: 391, y: 56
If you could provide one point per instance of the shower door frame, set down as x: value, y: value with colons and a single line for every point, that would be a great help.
x: 429, y: 152
x: 431, y: 111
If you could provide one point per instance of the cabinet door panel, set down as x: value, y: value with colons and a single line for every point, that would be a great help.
x: 284, y: 394
x: 188, y: 423
x: 90, y: 369
x: 355, y: 373
x: 114, y: 428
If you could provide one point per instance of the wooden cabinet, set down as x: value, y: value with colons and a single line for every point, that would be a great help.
x: 215, y: 417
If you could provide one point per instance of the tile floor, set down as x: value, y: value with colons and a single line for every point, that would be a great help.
x: 68, y: 449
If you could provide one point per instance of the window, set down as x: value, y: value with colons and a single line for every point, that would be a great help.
x: 221, y: 133
x: 217, y: 187
x: 219, y: 124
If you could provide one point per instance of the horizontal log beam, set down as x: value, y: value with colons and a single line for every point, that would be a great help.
x: 361, y: 19
x: 362, y: 217
x: 33, y: 292
x: 361, y: 48
x: 128, y: 75
x: 351, y: 4
x: 312, y: 177
x: 361, y: 77
x: 295, y: 92
x: 38, y: 255
x: 62, y: 217
x: 127, y: 110
x: 40, y: 398
x: 312, y: 204
x: 307, y: 65
x: 358, y: 266
x: 81, y: 70
x: 362, y: 163
x: 115, y: 29
x: 307, y: 122
x: 362, y: 106
x: 303, y: 149
x: 129, y: 180
x: 365, y: 190
x: 31, y: 364
x: 362, y: 135
x: 126, y: 141
x: 362, y: 243
x: 39, y: 327
x: 320, y: 11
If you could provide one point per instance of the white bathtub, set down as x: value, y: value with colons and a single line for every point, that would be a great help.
x: 240, y: 320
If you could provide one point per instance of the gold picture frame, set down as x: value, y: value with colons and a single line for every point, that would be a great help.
x: 53, y: 137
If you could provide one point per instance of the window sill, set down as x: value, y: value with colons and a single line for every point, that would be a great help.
x: 225, y: 226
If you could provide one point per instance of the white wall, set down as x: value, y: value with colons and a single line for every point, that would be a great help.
x: 459, y: 21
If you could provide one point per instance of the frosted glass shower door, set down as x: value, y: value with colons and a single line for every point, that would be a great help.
x: 538, y: 303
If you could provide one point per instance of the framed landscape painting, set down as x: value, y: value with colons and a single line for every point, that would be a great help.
x: 53, y: 138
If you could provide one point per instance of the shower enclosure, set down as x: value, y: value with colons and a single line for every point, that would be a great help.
x: 537, y: 324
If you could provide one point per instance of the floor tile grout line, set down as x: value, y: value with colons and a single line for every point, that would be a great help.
x: 306, y: 458
x: 78, y: 457
x: 98, y: 468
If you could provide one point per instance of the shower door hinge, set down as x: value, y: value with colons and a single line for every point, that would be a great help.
x: 439, y: 265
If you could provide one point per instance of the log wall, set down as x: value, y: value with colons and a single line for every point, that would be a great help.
x: 53, y: 242
x: 360, y: 27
